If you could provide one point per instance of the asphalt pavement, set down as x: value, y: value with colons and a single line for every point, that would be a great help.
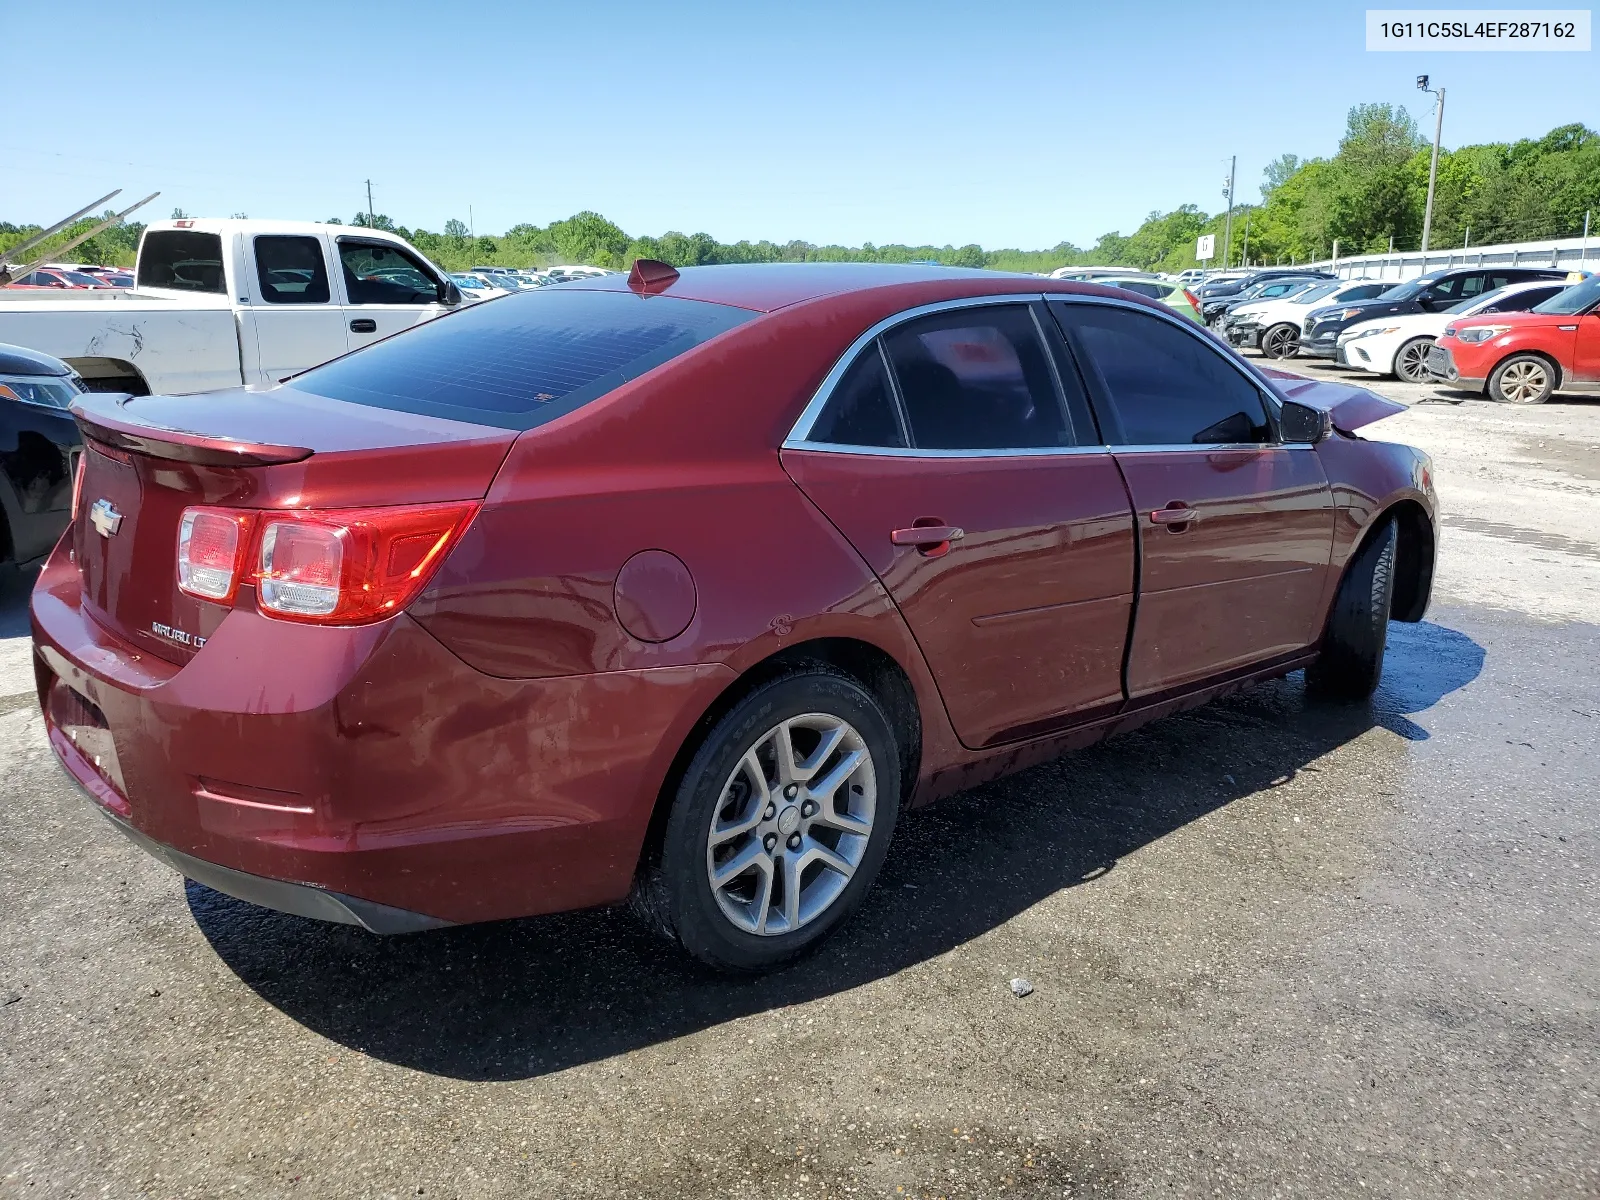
x: 1277, y: 949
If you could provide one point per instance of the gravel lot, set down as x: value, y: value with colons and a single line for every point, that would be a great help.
x: 1277, y: 950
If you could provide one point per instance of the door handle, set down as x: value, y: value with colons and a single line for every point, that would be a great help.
x: 363, y: 325
x: 1173, y: 515
x: 931, y: 536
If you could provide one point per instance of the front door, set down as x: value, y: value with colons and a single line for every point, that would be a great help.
x: 297, y: 322
x: 946, y: 456
x: 1235, y: 528
x: 387, y: 289
x: 1586, y: 349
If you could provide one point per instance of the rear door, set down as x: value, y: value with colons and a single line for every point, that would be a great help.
x: 386, y: 289
x: 1235, y: 528
x: 963, y: 465
x: 298, y: 323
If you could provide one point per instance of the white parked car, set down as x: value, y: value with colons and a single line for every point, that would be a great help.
x: 1399, y: 345
x: 1276, y: 325
x: 476, y: 287
x: 224, y: 303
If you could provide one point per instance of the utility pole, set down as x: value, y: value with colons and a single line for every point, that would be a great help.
x: 1584, y: 257
x: 1227, y: 236
x: 1433, y: 167
x: 369, y: 204
x: 472, y: 225
x: 1245, y: 257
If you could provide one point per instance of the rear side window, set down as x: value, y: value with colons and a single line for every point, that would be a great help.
x: 291, y: 270
x: 861, y: 410
x: 977, y: 379
x: 1169, y: 387
x: 524, y: 359
x: 178, y: 258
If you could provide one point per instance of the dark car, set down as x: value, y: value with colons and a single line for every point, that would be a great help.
x: 1219, y: 289
x: 39, y: 444
x: 1427, y: 293
x: 1214, y: 311
x: 689, y: 583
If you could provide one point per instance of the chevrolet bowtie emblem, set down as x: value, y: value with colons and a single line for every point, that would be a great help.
x: 105, y: 518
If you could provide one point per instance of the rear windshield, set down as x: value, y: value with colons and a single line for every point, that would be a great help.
x: 190, y: 262
x: 524, y: 359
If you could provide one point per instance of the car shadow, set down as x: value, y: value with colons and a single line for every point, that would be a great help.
x: 15, y: 584
x: 518, y: 999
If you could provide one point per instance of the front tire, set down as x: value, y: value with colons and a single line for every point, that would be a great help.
x: 780, y: 822
x: 1411, y: 361
x: 1351, y: 663
x: 1523, y: 379
x: 1281, y: 341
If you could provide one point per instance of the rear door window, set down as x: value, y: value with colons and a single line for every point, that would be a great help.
x: 1169, y: 387
x: 291, y: 270
x: 977, y: 379
x: 183, y: 260
x: 524, y: 359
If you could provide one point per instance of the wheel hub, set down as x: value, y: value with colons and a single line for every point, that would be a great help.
x: 789, y: 820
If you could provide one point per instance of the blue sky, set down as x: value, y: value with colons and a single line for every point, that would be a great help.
x: 1002, y: 123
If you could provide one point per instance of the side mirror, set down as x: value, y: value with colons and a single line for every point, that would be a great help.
x: 449, y: 293
x: 1301, y: 424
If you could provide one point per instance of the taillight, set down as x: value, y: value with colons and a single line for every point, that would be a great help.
x: 211, y: 546
x: 334, y: 567
x: 1192, y: 298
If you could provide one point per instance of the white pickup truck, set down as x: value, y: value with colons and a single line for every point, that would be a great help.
x: 218, y: 304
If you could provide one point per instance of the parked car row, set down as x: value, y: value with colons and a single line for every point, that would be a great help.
x: 73, y: 277
x: 1518, y: 334
x: 597, y: 591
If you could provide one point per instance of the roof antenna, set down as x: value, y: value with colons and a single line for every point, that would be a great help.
x: 651, y: 275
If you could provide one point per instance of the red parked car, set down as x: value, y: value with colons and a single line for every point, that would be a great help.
x: 1526, y: 357
x: 689, y: 584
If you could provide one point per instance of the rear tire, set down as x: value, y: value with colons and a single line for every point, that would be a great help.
x: 1351, y: 663
x: 1411, y: 361
x: 1523, y: 379
x: 797, y: 841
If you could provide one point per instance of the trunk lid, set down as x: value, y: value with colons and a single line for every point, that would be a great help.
x: 147, y: 458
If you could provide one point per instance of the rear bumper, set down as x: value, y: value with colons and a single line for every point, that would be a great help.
x: 364, y: 775
x: 297, y: 899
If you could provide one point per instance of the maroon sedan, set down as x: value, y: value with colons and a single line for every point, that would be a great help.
x: 686, y: 585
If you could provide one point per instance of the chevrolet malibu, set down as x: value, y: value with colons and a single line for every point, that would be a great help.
x: 684, y: 586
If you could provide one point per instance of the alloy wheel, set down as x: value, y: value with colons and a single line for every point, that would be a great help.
x: 792, y: 824
x: 1523, y: 382
x: 1412, y: 362
x: 1281, y: 342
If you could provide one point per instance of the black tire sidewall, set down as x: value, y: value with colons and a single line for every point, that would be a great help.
x: 1351, y: 662
x: 696, y: 918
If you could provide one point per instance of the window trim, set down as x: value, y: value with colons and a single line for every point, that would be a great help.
x: 799, y: 433
x: 799, y: 437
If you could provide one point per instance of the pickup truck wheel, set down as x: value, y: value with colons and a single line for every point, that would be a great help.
x: 1281, y: 341
x: 780, y: 823
x: 1411, y: 361
x: 1351, y: 663
x: 1522, y: 379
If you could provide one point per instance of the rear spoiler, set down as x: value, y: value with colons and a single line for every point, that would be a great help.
x: 102, y: 418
